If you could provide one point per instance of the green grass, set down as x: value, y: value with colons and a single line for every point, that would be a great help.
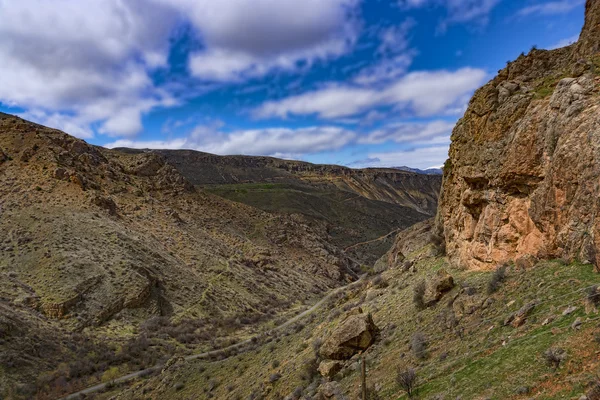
x: 546, y: 86
x: 486, y: 363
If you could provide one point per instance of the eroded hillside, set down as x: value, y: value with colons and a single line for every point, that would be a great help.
x: 358, y: 207
x: 98, y: 242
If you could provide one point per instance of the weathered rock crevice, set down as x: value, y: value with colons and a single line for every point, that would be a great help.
x: 522, y: 178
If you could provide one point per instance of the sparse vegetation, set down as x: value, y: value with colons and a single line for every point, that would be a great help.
x: 497, y: 279
x: 407, y: 380
x: 419, y: 295
x: 554, y: 357
x: 419, y: 346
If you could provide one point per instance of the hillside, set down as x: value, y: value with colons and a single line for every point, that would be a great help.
x: 463, y: 346
x: 107, y: 250
x: 521, y: 181
x: 497, y: 298
x: 355, y: 205
x: 131, y: 274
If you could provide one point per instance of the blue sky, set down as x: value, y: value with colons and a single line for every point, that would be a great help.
x: 350, y: 82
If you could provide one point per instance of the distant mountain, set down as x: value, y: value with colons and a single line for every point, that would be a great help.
x: 353, y: 205
x: 428, y: 171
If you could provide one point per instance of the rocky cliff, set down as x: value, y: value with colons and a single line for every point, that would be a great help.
x: 522, y: 180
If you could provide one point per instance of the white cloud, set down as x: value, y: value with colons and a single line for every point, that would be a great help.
x: 270, y: 141
x: 394, y: 52
x: 411, y: 132
x: 65, y: 123
x: 248, y: 38
x: 459, y: 11
x: 385, y: 70
x: 564, y: 42
x: 423, y: 93
x: 423, y: 158
x: 550, y: 8
x: 84, y: 60
x: 395, y: 39
x: 78, y: 63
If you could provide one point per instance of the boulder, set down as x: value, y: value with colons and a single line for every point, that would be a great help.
x: 518, y: 318
x: 330, y: 368
x: 330, y: 391
x: 354, y: 334
x: 60, y: 174
x: 106, y: 203
x: 441, y: 283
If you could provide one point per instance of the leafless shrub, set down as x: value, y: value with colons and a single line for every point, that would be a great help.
x: 419, y: 295
x: 554, y: 356
x: 594, y: 391
x: 497, y: 278
x: 419, y: 345
x: 407, y: 380
x: 593, y: 295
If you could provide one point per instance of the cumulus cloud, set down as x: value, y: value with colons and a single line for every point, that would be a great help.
x: 550, y: 8
x: 248, y: 38
x: 91, y: 62
x: 423, y: 158
x: 84, y: 60
x: 423, y: 93
x: 406, y: 132
x: 269, y: 141
x: 459, y: 11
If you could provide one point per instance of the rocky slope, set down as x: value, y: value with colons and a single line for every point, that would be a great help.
x: 388, y: 185
x: 355, y: 206
x: 99, y: 242
x: 522, y: 179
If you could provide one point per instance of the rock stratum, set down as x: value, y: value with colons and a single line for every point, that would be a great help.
x: 522, y: 178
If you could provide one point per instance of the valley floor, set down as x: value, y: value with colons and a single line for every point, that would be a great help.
x: 471, y: 347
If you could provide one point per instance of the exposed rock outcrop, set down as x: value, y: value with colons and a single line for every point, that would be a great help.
x: 522, y: 178
x: 329, y: 368
x: 441, y: 283
x: 330, y: 391
x: 354, y: 334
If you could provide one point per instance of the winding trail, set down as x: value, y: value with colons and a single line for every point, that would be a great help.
x: 208, y: 354
x: 374, y: 240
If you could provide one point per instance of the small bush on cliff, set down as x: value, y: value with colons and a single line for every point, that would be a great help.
x: 379, y: 282
x: 594, y: 392
x: 593, y: 295
x: 419, y: 346
x: 554, y: 356
x: 419, y: 295
x: 407, y: 380
x: 497, y: 278
x: 439, y: 243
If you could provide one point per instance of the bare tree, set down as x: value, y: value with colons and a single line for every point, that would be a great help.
x: 407, y: 380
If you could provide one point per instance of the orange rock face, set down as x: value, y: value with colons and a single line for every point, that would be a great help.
x: 523, y: 178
